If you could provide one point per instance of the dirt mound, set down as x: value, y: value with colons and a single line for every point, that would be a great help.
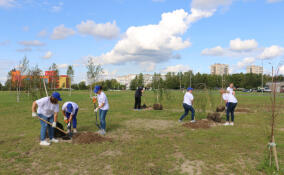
x: 88, y: 137
x: 220, y: 109
x: 215, y: 116
x: 158, y: 107
x: 245, y: 110
x: 199, y: 124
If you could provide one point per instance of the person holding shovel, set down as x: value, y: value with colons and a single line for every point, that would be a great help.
x: 47, y: 109
x: 187, y: 105
x: 102, y: 108
x: 232, y: 103
x: 70, y: 111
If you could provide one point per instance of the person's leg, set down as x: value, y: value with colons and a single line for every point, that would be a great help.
x: 74, y: 119
x: 43, y: 127
x: 136, y: 103
x: 50, y: 128
x: 101, y: 118
x: 186, y: 109
x: 228, y: 112
x: 192, y: 112
x: 139, y: 102
x: 104, y: 113
x: 233, y: 111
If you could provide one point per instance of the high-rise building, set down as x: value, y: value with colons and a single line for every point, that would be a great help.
x: 254, y: 69
x: 219, y: 69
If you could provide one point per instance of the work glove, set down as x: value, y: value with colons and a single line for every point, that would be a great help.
x: 54, y: 124
x: 34, y: 114
x: 96, y: 110
x: 65, y: 118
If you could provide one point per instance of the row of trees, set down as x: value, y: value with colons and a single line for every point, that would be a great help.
x: 184, y: 80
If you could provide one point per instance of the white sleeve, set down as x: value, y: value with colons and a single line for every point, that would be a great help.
x: 104, y: 99
x: 191, y: 97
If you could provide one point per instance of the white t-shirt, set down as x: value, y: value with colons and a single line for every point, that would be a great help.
x: 232, y: 98
x: 102, y: 98
x: 225, y: 96
x: 188, y: 97
x: 75, y: 107
x: 231, y: 90
x: 46, y: 108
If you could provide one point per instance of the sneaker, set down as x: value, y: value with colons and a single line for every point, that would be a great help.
x: 75, y: 130
x: 44, y: 143
x: 99, y: 131
x: 54, y: 140
x: 192, y: 121
x: 102, y: 132
x: 227, y: 124
x: 232, y: 123
x: 180, y: 121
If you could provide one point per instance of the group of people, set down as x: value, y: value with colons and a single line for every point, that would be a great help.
x: 227, y: 95
x: 47, y: 110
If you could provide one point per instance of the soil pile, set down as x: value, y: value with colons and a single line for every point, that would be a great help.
x: 199, y: 124
x: 88, y: 137
x: 220, y: 109
x: 215, y: 116
x: 158, y: 107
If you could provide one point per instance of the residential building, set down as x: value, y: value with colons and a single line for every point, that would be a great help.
x: 254, y: 69
x: 64, y: 81
x: 219, y: 69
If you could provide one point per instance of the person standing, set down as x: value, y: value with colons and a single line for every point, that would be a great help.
x: 70, y: 111
x: 232, y: 103
x: 102, y: 108
x: 138, y: 95
x: 187, y: 105
x: 47, y: 109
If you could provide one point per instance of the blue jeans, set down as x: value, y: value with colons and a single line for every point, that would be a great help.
x: 187, y: 108
x: 74, y: 119
x: 44, y: 126
x: 230, y: 110
x: 102, y: 114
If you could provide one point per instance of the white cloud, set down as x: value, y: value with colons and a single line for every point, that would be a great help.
x: 243, y: 45
x: 4, y: 43
x: 153, y: 43
x: 26, y: 49
x: 176, y: 68
x: 245, y: 62
x: 210, y: 4
x: 62, y: 66
x: 7, y: 3
x: 274, y: 1
x: 216, y: 51
x: 272, y: 52
x: 31, y: 43
x: 281, y: 70
x: 61, y: 32
x: 48, y: 55
x: 42, y: 33
x: 106, y: 31
x: 57, y: 8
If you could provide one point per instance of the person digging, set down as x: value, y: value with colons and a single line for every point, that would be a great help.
x: 47, y: 109
x: 102, y: 108
x: 187, y: 105
x: 70, y: 111
x: 232, y: 103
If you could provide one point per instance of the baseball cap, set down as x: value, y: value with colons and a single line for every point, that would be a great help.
x: 189, y: 89
x: 97, y: 88
x: 56, y: 95
x: 69, y: 108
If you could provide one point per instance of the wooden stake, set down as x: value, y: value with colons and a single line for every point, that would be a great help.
x: 275, y: 154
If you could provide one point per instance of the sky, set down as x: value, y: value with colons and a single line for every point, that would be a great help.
x: 141, y: 36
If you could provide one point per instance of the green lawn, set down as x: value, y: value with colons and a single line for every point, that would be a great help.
x: 143, y: 142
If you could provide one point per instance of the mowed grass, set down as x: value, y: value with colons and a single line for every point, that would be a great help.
x: 143, y: 142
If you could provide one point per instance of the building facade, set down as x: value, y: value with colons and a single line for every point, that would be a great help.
x: 254, y: 69
x: 219, y: 69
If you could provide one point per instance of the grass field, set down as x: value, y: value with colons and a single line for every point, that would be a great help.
x: 143, y: 142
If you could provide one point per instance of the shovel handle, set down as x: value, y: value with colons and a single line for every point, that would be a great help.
x: 51, y: 125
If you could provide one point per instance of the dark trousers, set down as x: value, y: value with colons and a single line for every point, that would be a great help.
x: 137, y: 104
x: 188, y: 108
x: 231, y: 110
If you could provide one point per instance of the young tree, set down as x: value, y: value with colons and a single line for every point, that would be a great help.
x: 54, y: 76
x: 70, y: 73
x: 93, y: 73
x: 23, y: 69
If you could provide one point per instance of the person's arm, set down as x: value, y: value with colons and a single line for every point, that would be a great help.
x: 63, y: 112
x: 34, y: 107
x: 55, y: 116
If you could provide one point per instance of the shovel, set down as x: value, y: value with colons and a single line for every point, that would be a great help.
x: 66, y: 137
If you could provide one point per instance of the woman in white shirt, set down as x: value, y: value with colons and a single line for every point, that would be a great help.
x: 102, y: 108
x: 232, y: 103
x: 47, y: 108
x: 187, y: 105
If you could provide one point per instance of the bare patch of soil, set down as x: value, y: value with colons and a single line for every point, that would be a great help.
x: 88, y: 137
x: 199, y: 124
x: 215, y: 116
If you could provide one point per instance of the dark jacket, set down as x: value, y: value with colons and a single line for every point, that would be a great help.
x: 138, y: 92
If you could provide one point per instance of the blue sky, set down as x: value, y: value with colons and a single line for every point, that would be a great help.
x: 130, y: 36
